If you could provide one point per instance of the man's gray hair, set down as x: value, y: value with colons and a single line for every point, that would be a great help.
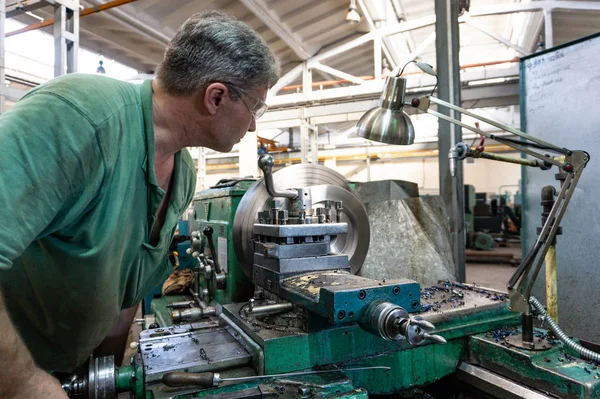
x: 215, y: 47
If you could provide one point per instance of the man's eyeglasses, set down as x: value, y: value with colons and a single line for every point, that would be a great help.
x: 256, y: 107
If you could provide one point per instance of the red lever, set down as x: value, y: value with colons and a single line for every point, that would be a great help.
x: 480, y: 147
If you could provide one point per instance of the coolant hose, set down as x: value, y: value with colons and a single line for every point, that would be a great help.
x: 586, y: 353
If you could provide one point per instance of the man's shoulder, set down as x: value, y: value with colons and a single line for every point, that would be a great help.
x: 96, y: 97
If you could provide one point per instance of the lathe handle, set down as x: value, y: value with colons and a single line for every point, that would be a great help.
x: 265, y: 163
x: 208, y: 232
x: 181, y: 379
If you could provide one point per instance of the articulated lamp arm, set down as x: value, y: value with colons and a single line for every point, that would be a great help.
x: 569, y: 161
x: 388, y: 123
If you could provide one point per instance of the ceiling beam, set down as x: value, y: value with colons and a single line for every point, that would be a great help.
x: 272, y: 20
x: 388, y: 30
x: 339, y: 74
x: 391, y: 57
x: 136, y: 23
x: 106, y: 40
x: 401, y: 16
x: 480, y: 27
x: 482, y: 96
x: 11, y: 93
x: 420, y: 49
x: 144, y: 5
x: 100, y: 40
x: 374, y: 87
x: 286, y: 79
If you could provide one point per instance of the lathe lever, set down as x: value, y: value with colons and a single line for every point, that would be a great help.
x: 208, y: 232
x: 265, y: 163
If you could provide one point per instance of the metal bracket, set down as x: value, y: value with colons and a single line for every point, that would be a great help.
x: 66, y: 35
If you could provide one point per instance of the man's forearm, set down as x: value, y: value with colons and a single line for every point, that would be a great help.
x: 16, y: 362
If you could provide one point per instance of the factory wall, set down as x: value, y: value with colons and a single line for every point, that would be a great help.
x: 487, y: 176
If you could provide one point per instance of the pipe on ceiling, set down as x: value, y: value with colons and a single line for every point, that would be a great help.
x: 500, y: 148
x: 335, y: 82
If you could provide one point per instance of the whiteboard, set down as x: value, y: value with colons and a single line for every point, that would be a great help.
x: 560, y: 103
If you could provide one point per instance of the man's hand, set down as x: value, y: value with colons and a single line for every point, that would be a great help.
x: 41, y: 385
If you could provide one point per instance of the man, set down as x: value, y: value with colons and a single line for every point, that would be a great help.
x: 93, y: 177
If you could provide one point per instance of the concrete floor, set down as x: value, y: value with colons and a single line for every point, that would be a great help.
x: 493, y: 275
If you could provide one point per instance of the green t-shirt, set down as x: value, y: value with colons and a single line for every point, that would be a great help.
x: 78, y: 197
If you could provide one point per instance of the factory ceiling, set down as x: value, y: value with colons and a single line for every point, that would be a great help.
x: 315, y: 35
x: 135, y: 34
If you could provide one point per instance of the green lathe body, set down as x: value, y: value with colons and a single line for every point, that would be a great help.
x: 327, y: 319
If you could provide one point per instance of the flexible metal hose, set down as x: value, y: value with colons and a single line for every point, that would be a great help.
x: 586, y: 353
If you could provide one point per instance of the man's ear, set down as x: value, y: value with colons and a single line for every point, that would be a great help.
x: 215, y: 96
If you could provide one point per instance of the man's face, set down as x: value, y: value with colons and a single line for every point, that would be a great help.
x: 233, y: 118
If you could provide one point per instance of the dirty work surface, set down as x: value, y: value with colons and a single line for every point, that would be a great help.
x: 450, y: 298
x: 187, y: 348
x: 309, y: 285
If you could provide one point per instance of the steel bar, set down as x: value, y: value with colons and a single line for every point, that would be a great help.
x: 210, y: 379
x: 377, y: 59
x: 527, y: 151
x: 495, y: 384
x: 449, y: 134
x: 517, y: 132
x: 378, y: 38
x: 286, y: 79
x: 339, y: 74
x: 501, y: 158
x: 551, y: 283
x: 269, y: 309
x: 548, y: 33
x: 385, y: 31
x: 491, y: 136
x: 265, y: 13
x: 519, y: 301
x: 523, y: 266
x: 385, y: 368
x: 152, y: 32
x: 400, y: 13
x: 306, y: 78
x: 561, y: 202
x: 66, y: 37
x: 549, y: 229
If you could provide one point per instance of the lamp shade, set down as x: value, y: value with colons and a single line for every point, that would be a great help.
x: 388, y: 123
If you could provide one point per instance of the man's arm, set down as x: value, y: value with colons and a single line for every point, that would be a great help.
x: 49, y: 165
x: 21, y: 378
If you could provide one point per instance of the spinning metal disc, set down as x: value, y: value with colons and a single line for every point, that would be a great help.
x: 329, y: 185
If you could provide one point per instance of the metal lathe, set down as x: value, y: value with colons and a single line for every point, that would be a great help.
x: 277, y: 311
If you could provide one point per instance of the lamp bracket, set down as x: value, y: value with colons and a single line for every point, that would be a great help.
x: 568, y: 161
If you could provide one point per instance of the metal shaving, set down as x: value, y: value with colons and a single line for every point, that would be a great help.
x: 453, y: 294
x: 204, y: 356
